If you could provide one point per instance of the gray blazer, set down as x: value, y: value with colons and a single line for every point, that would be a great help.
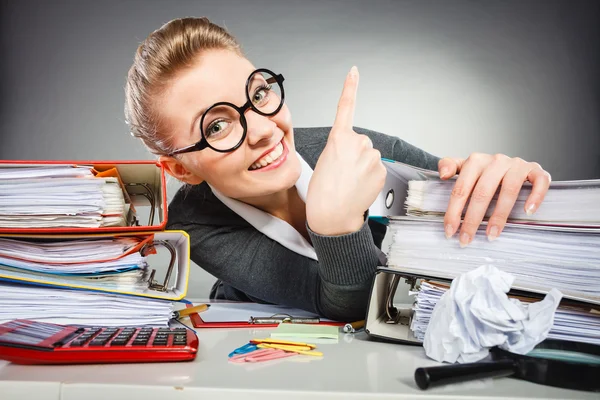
x: 250, y: 266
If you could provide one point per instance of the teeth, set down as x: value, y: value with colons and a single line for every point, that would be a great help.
x: 269, y: 158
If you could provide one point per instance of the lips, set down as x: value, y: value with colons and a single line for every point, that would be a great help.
x: 272, y: 159
x: 269, y: 157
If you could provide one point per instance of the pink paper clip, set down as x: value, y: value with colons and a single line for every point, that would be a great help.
x: 240, y: 358
x: 273, y: 354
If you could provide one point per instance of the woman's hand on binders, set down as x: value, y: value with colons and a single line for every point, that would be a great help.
x: 479, y: 177
x: 349, y: 173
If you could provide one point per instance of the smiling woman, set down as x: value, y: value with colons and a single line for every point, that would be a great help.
x: 277, y: 214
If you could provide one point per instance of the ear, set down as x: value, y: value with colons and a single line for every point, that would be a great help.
x: 176, y: 169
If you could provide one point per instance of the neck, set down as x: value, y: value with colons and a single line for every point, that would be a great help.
x: 282, y: 204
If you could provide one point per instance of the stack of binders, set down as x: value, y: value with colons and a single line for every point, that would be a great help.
x: 83, y: 243
x: 557, y: 247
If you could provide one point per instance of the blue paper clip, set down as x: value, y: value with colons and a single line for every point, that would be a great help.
x: 247, y: 348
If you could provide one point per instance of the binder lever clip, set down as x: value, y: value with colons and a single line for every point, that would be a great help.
x: 152, y: 284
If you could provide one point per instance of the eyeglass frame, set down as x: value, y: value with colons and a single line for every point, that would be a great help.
x: 203, y: 143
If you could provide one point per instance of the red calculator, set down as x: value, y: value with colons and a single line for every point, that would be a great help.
x: 31, y: 342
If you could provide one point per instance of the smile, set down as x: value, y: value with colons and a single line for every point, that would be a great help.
x: 271, y: 160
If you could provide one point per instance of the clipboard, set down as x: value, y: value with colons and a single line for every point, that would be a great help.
x: 389, y: 322
x: 144, y: 186
x: 170, y: 283
x: 260, y: 319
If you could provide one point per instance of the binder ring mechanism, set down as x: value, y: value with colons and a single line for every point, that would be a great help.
x: 393, y: 315
x: 149, y: 195
x: 282, y: 318
x: 147, y: 249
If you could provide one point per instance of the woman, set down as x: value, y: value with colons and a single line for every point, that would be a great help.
x: 260, y: 219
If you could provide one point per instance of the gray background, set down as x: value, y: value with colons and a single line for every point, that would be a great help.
x: 452, y: 77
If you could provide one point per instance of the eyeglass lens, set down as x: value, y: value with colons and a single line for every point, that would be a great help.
x: 222, y: 126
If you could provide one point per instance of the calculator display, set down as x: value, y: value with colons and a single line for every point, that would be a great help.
x: 31, y: 333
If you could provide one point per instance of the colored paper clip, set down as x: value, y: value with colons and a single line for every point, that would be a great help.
x: 260, y: 355
x: 247, y: 348
x: 283, y: 342
x: 295, y: 349
x: 269, y: 354
x: 279, y: 318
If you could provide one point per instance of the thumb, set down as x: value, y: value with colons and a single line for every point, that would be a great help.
x: 448, y: 167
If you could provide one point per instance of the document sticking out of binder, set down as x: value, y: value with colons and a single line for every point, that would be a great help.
x: 82, y: 196
x: 154, y: 265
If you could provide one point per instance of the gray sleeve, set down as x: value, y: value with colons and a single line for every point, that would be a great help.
x: 336, y: 287
x: 394, y: 148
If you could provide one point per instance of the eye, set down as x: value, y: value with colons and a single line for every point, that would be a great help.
x: 261, y: 94
x: 215, y: 128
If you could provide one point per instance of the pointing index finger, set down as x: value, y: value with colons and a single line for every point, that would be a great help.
x: 345, y: 111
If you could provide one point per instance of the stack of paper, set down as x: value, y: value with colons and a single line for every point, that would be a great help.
x: 541, y: 259
x: 58, y: 196
x: 112, y: 263
x: 567, y: 202
x: 76, y: 307
x: 573, y: 323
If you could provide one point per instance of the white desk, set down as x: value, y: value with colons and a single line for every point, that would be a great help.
x: 355, y: 368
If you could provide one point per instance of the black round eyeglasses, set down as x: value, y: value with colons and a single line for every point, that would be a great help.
x: 223, y: 126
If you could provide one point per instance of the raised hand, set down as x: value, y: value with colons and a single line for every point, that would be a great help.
x: 479, y: 178
x: 349, y: 173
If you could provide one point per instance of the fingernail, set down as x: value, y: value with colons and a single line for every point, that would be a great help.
x: 493, y: 233
x: 443, y: 172
x: 465, y: 239
x: 354, y: 72
x: 530, y: 209
x: 448, y: 231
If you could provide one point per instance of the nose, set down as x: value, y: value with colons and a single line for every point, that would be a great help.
x: 260, y: 128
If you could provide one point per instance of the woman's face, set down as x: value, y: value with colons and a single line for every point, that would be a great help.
x: 220, y: 76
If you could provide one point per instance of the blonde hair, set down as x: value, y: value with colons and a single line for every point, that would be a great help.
x: 167, y: 51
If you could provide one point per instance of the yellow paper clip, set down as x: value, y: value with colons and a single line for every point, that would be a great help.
x: 294, y: 349
x: 282, y: 342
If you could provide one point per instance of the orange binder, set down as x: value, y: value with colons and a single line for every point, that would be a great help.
x: 144, y: 189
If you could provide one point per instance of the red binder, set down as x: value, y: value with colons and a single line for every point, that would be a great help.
x: 138, y: 179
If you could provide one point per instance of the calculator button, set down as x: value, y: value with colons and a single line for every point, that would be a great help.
x: 118, y: 342
x: 102, y: 337
x: 159, y: 343
x: 77, y: 343
x: 98, y: 342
